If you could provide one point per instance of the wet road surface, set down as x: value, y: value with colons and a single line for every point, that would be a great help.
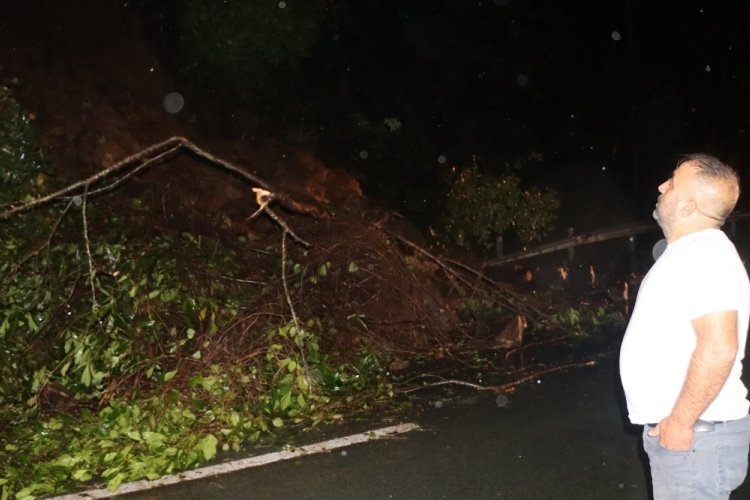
x: 563, y: 437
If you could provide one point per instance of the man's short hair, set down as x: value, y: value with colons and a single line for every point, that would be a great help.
x: 723, y: 177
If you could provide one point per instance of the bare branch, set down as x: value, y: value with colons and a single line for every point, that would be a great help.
x: 92, y: 272
x: 507, y: 386
x: 151, y: 154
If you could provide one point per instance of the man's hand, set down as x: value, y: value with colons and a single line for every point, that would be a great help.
x: 715, y: 352
x: 673, y: 435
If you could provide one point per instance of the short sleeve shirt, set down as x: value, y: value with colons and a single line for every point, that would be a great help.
x: 698, y: 274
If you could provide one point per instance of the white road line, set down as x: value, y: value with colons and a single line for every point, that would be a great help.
x: 245, y: 463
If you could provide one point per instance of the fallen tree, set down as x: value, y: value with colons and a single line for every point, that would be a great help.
x: 181, y: 342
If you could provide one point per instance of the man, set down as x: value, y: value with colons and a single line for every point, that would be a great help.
x: 681, y: 357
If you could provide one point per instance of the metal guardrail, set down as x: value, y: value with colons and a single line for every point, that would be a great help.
x: 589, y: 238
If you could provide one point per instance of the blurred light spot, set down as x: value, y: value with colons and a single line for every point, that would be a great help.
x: 173, y: 102
x: 616, y: 36
x: 442, y: 159
x: 282, y: 5
x: 708, y: 68
x: 364, y: 154
x: 522, y: 80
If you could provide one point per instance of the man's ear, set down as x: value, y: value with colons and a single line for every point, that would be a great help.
x: 687, y: 207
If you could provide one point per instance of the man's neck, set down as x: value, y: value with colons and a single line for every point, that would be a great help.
x: 678, y: 233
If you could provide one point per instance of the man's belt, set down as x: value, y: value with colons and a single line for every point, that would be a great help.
x: 701, y: 425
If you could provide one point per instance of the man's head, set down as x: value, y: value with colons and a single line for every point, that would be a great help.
x: 701, y: 193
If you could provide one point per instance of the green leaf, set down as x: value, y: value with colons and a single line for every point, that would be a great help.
x: 302, y: 383
x: 82, y: 475
x: 208, y: 446
x: 286, y: 400
x: 65, y: 461
x: 116, y: 481
x: 26, y: 493
x: 277, y: 422
x: 153, y: 438
x: 86, y: 375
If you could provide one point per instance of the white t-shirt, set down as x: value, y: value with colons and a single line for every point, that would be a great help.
x: 698, y: 274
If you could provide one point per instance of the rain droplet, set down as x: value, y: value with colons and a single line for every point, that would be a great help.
x: 502, y: 400
x: 364, y: 154
x: 442, y: 159
x: 282, y: 5
x: 77, y: 201
x: 522, y: 80
x: 616, y: 36
x: 708, y: 68
x: 344, y: 453
x: 438, y: 404
x: 173, y: 102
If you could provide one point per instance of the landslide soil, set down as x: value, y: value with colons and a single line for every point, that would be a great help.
x: 95, y: 87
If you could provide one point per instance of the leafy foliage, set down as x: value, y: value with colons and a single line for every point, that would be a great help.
x: 480, y: 207
x: 235, y: 49
x: 21, y: 168
x: 125, y: 356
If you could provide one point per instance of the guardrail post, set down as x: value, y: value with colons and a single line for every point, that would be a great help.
x: 571, y: 250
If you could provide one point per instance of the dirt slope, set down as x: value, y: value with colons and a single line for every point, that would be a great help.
x: 96, y: 90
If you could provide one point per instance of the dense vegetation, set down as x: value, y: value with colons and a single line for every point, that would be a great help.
x: 126, y: 355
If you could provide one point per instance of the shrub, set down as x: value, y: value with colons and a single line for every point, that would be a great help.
x: 479, y: 207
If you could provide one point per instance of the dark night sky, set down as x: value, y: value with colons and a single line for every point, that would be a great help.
x: 609, y: 92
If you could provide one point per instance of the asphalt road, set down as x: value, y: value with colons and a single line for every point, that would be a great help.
x: 562, y: 437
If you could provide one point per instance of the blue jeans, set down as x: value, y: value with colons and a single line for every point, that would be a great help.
x: 715, y: 464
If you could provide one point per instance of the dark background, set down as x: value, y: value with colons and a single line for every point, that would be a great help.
x: 607, y: 94
x: 595, y: 99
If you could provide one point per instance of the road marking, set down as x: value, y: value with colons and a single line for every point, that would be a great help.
x: 245, y: 463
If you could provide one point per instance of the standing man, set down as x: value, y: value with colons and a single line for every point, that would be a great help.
x: 681, y: 357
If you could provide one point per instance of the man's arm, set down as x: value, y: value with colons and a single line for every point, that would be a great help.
x: 715, y: 353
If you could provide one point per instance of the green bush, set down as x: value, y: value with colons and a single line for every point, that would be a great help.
x: 235, y: 50
x: 21, y: 166
x: 479, y: 207
x: 127, y: 354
